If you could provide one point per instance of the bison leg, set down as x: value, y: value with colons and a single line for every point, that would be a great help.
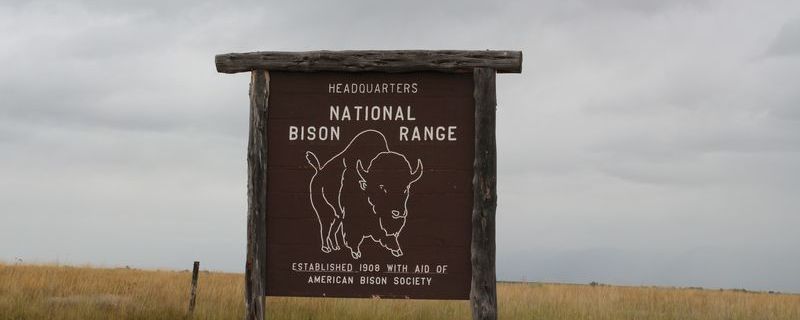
x: 397, y: 253
x: 337, y: 234
x: 325, y: 245
x: 393, y: 245
x: 357, y: 254
x: 325, y: 216
x: 333, y: 230
x: 325, y: 242
x: 354, y: 252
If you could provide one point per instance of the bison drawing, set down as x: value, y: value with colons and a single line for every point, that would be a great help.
x: 362, y: 192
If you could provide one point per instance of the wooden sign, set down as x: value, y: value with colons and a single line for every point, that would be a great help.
x: 372, y: 174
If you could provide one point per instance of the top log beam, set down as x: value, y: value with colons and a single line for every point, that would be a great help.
x: 452, y: 61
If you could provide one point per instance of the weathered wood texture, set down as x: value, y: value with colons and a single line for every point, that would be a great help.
x: 255, y: 267
x: 453, y: 61
x: 193, y: 294
x: 483, y: 293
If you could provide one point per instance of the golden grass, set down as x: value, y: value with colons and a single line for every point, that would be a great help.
x: 64, y: 292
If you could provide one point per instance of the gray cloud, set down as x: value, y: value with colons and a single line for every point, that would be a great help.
x: 646, y: 142
x: 787, y: 42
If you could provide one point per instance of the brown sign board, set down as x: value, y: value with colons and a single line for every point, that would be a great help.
x: 369, y: 184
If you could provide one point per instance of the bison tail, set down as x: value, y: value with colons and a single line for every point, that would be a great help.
x: 312, y: 160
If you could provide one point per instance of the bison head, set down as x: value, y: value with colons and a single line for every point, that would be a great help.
x: 387, y: 182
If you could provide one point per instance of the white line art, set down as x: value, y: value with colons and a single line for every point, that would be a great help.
x: 353, y: 202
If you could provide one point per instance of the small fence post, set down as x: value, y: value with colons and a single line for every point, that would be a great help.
x: 193, y: 295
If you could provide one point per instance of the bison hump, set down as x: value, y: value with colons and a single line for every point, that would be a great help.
x: 364, y: 146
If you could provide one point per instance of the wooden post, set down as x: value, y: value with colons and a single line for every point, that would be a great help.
x: 483, y: 293
x: 255, y: 266
x: 193, y: 295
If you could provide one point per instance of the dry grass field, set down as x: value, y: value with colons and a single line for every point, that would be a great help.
x: 64, y: 292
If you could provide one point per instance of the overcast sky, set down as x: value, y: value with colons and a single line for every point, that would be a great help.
x: 645, y: 143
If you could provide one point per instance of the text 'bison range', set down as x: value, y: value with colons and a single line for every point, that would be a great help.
x: 353, y: 202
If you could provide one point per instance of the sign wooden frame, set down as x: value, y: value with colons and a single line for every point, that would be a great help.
x: 482, y: 64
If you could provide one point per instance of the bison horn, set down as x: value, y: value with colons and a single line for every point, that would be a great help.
x: 417, y: 173
x: 361, y: 172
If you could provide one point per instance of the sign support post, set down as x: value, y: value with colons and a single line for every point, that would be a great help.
x: 255, y: 270
x: 483, y: 293
x: 482, y: 65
